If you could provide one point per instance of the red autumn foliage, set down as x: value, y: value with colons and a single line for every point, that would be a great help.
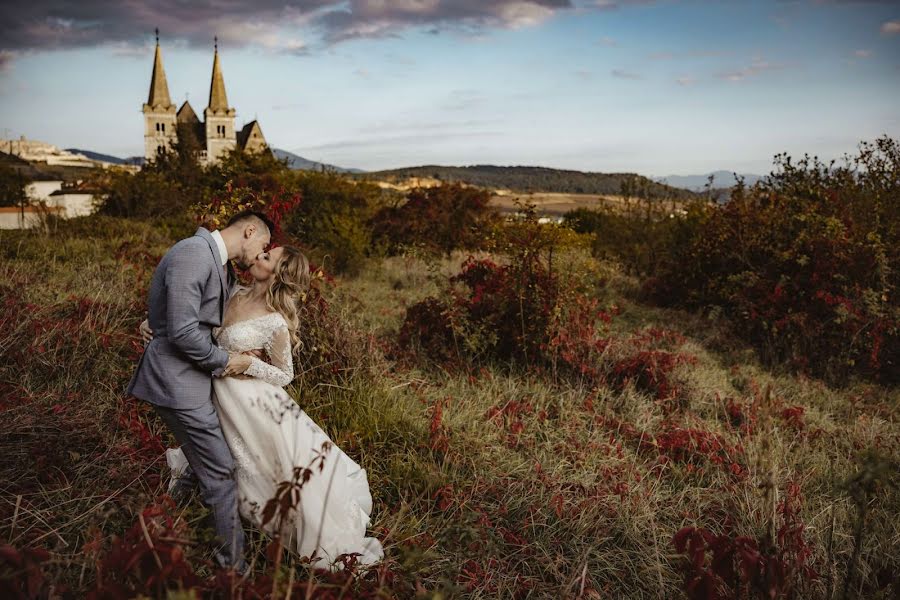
x: 650, y: 371
x: 793, y: 417
x: 149, y: 559
x: 438, y: 433
x: 684, y: 445
x: 515, y: 311
x: 805, y: 265
x: 133, y: 415
x: 511, y: 416
x: 440, y: 219
x: 428, y: 325
x: 274, y: 201
x: 724, y: 566
x: 22, y: 575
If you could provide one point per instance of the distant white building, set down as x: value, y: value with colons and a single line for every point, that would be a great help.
x: 39, y: 191
x: 72, y: 202
x: 51, y: 197
x: 42, y: 152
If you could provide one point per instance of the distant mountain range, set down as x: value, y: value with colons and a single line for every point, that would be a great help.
x: 697, y: 183
x: 98, y: 156
x: 294, y: 161
x: 298, y: 163
x: 517, y: 179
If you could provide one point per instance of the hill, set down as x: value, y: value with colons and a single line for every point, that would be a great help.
x: 298, y: 163
x: 98, y: 156
x: 533, y: 179
x: 294, y: 161
x: 697, y: 183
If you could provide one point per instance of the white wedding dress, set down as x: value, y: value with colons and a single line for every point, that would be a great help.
x: 270, y: 436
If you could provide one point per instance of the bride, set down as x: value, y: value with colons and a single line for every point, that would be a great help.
x: 292, y: 480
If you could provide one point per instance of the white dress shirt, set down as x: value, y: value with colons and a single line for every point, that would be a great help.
x: 223, y: 251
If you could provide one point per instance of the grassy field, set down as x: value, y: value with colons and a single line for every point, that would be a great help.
x: 488, y: 482
x: 555, y: 204
x: 548, y: 203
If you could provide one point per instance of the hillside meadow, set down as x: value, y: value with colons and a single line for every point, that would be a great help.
x: 667, y: 462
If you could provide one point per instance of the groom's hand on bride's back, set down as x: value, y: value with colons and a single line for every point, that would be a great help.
x: 146, y: 332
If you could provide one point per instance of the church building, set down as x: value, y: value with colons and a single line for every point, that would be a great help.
x: 216, y: 133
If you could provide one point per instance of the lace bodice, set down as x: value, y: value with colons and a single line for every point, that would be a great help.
x: 269, y: 332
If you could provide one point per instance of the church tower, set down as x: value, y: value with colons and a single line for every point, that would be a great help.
x: 160, y: 129
x: 218, y: 116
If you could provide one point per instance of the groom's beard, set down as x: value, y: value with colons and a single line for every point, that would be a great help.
x: 240, y: 264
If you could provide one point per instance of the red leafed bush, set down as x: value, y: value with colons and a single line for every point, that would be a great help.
x: 148, y: 558
x: 727, y: 566
x: 515, y: 311
x: 511, y: 312
x: 684, y: 445
x: 806, y: 265
x: 275, y: 203
x: 648, y: 360
x: 510, y: 417
x: 514, y: 303
x: 650, y: 371
x: 696, y: 447
x: 428, y: 325
x: 793, y: 417
x: 21, y: 574
x: 440, y: 219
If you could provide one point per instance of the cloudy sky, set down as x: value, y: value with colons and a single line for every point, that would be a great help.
x: 655, y: 87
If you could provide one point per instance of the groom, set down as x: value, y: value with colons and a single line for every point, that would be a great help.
x: 190, y: 287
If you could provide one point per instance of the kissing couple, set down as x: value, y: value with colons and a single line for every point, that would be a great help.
x: 241, y: 434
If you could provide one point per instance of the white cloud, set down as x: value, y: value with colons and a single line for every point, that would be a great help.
x: 890, y: 27
x: 524, y: 14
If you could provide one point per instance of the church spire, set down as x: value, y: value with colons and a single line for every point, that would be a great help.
x: 217, y: 98
x: 159, y: 89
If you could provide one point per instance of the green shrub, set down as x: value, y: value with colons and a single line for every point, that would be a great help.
x: 333, y: 218
x: 639, y: 239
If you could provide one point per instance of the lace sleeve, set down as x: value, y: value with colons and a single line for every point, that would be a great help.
x: 278, y: 347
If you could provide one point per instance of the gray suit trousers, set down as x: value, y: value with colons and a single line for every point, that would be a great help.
x: 200, y: 435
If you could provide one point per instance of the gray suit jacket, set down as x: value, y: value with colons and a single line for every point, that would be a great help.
x: 187, y: 299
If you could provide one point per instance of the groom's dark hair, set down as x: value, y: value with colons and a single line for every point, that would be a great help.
x: 246, y: 215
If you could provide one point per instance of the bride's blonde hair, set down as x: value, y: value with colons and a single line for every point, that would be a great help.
x: 288, y: 290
